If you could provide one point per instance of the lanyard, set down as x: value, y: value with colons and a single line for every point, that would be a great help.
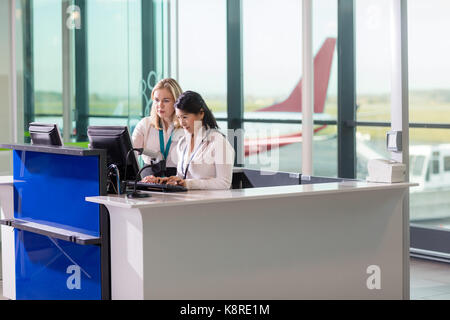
x: 192, y: 156
x: 164, y: 150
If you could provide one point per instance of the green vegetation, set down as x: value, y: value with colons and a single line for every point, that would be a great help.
x: 78, y: 144
x: 424, y: 106
x: 50, y: 103
x: 431, y: 106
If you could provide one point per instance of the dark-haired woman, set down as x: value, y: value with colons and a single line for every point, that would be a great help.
x: 205, y: 157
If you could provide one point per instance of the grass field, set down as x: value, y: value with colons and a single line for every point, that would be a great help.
x: 424, y: 107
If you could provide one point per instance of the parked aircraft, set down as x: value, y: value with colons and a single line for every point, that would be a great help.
x: 291, y: 108
x: 430, y: 167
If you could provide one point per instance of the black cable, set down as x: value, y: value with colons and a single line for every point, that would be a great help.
x: 139, y: 150
x: 113, y: 166
x: 114, y: 188
x: 135, y: 194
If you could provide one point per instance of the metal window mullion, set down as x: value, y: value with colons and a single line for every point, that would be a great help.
x: 28, y: 65
x: 346, y: 89
x: 148, y: 47
x: 235, y: 87
x: 67, y: 72
x: 81, y: 75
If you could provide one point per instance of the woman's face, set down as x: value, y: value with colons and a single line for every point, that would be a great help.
x: 164, y: 101
x: 189, y: 121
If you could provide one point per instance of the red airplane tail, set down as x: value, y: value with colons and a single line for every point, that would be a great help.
x: 322, y: 69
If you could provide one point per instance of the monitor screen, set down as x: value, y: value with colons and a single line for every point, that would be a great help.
x: 45, y: 134
x: 116, y: 140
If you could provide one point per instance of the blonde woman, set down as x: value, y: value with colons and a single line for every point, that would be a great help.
x: 159, y: 133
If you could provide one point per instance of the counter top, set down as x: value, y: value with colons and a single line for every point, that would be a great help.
x: 6, y: 180
x: 75, y: 151
x: 159, y: 199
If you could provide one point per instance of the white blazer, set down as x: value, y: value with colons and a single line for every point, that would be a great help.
x: 210, y: 165
x: 146, y: 136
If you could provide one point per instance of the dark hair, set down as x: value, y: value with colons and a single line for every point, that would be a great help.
x: 192, y: 102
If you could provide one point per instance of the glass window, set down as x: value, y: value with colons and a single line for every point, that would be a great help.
x: 272, y: 43
x: 429, y: 102
x: 435, y: 166
x: 114, y: 62
x: 428, y: 201
x: 272, y: 56
x: 373, y: 60
x: 47, y: 62
x: 429, y: 83
x: 113, y: 71
x: 202, y: 51
x: 446, y: 163
x: 370, y: 144
x: 416, y: 165
x: 325, y: 28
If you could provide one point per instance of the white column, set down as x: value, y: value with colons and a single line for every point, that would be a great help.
x: 307, y: 89
x: 399, y: 77
x: 13, y: 72
x: 399, y: 111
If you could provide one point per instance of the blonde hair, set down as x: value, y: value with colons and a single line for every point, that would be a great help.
x: 175, y: 89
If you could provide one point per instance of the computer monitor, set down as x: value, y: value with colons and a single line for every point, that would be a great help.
x: 45, y: 134
x: 116, y: 140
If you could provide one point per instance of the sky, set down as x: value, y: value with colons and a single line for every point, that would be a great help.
x: 271, y: 45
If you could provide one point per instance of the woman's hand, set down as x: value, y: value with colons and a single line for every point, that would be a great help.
x: 177, y: 181
x: 174, y: 180
x: 151, y: 179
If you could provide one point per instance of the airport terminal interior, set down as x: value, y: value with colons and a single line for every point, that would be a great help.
x: 319, y: 89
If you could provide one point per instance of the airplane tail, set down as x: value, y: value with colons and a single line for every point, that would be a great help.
x: 322, y: 69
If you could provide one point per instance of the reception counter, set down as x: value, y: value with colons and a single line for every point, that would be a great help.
x: 273, y: 236
x: 340, y: 240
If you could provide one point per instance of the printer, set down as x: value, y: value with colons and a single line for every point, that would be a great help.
x: 388, y: 171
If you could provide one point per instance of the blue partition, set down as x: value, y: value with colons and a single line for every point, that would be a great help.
x: 50, y: 214
x: 53, y: 269
x: 50, y: 188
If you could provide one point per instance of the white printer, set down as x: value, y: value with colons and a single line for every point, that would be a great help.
x: 388, y: 171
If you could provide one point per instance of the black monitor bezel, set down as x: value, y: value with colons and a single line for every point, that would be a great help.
x: 117, y: 133
x: 39, y: 130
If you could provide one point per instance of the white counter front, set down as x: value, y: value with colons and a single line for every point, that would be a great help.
x: 8, y: 252
x: 319, y: 241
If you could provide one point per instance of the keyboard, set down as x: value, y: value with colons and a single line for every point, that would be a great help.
x: 156, y: 187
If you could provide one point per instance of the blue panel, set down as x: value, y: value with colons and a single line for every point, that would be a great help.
x: 50, y: 189
x: 48, y: 268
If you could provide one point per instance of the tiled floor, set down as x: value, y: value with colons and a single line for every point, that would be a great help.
x: 430, y: 280
x: 1, y: 291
